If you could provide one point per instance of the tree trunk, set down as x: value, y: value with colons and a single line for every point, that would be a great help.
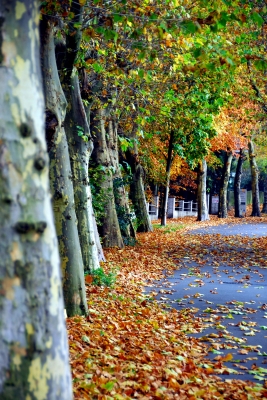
x: 255, y: 181
x: 79, y: 140
x: 137, y: 192
x: 202, y: 209
x: 100, y: 252
x: 109, y: 228
x: 120, y: 195
x: 237, y: 184
x: 167, y: 186
x: 33, y: 343
x: 61, y: 179
x: 137, y: 195
x: 86, y: 95
x: 224, y: 185
x: 264, y: 207
x: 80, y: 148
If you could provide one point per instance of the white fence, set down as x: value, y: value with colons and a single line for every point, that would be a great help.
x: 176, y: 208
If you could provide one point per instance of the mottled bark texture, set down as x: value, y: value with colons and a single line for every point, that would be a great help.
x: 224, y: 185
x: 120, y: 194
x: 137, y: 192
x: 85, y: 92
x: 167, y: 182
x: 109, y: 229
x: 254, y: 181
x: 79, y: 140
x: 202, y: 209
x: 237, y: 184
x: 61, y: 178
x: 33, y: 343
x: 80, y: 148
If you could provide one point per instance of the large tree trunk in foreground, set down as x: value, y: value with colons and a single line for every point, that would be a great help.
x: 237, y: 184
x: 224, y: 185
x: 61, y: 179
x: 254, y: 181
x: 202, y: 209
x: 167, y: 184
x: 80, y: 148
x: 33, y: 343
x: 109, y: 228
x: 264, y: 206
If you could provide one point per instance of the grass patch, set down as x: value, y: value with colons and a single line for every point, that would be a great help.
x: 100, y: 278
x: 169, y: 228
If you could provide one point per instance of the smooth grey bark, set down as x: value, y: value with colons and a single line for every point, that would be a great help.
x: 80, y: 148
x: 34, y: 360
x: 202, y: 209
x: 167, y: 183
x: 254, y: 181
x: 61, y: 178
x: 237, y: 184
x: 100, y: 252
x: 224, y: 185
x: 109, y: 229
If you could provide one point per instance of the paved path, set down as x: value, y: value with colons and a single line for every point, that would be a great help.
x: 226, y: 285
x: 244, y: 229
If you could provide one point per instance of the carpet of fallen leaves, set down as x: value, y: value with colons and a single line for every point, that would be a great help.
x: 131, y: 347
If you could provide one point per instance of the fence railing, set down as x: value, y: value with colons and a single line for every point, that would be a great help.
x: 182, y: 205
x: 177, y: 208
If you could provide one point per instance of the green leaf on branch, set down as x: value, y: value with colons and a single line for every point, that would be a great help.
x: 257, y: 18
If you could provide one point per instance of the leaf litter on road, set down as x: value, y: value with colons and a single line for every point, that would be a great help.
x: 131, y: 346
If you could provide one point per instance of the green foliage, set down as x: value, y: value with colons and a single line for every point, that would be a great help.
x: 125, y: 143
x: 99, y: 195
x: 100, y: 278
x: 80, y: 132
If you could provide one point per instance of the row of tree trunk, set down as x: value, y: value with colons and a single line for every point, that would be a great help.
x: 40, y: 81
x: 202, y: 212
x: 77, y: 135
x: 223, y: 208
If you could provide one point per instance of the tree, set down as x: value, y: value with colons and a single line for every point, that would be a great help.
x: 168, y: 175
x: 131, y: 161
x: 79, y: 138
x: 61, y: 178
x: 228, y: 156
x: 254, y: 180
x: 202, y: 211
x: 237, y: 183
x: 264, y: 206
x: 109, y: 227
x: 34, y: 352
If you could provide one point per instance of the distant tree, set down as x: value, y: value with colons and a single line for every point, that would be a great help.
x: 202, y: 212
x: 237, y: 183
x: 224, y: 184
x: 254, y: 180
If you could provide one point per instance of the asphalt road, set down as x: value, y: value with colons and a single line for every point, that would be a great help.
x: 228, y: 290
